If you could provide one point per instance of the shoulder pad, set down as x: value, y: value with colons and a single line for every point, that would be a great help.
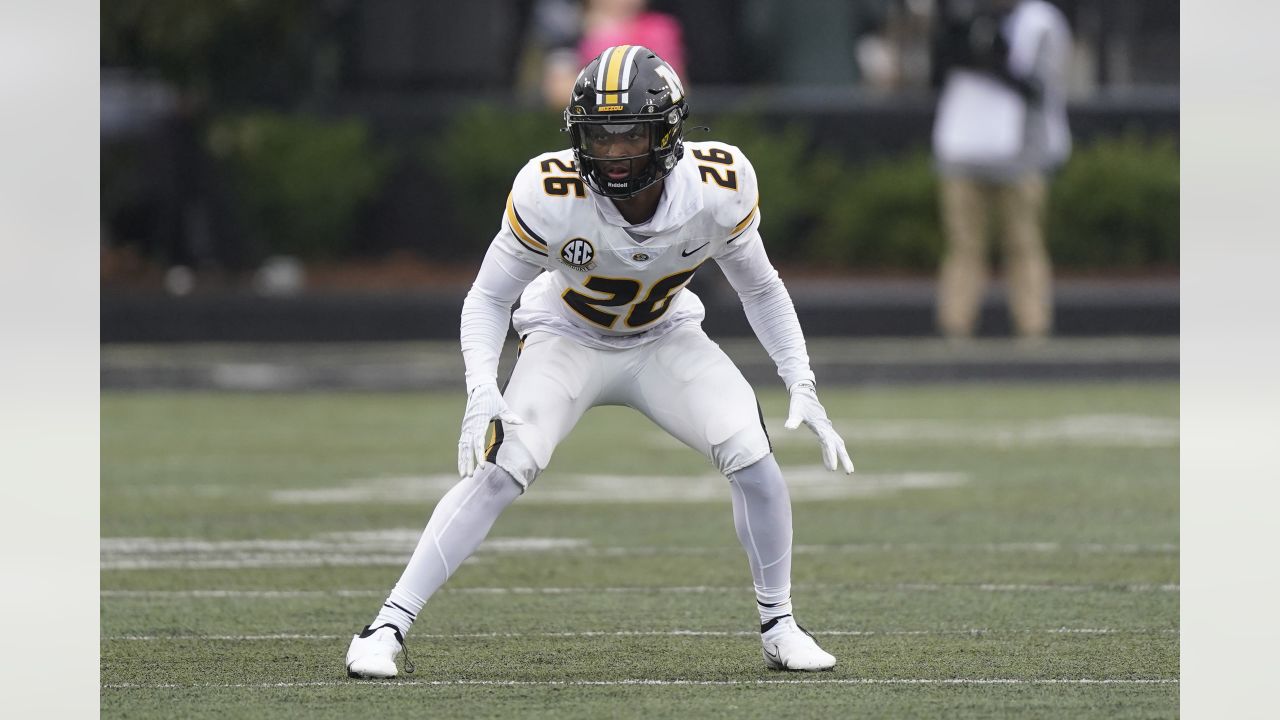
x: 540, y: 198
x: 729, y: 184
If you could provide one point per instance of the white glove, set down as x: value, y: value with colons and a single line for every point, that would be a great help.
x: 806, y: 408
x: 483, y: 405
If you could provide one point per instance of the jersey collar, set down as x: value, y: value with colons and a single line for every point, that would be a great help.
x: 681, y: 201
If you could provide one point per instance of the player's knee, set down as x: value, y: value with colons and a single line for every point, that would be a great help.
x: 742, y: 450
x: 761, y: 479
x: 497, y: 482
x: 518, y: 461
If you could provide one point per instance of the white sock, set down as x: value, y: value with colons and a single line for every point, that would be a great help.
x: 762, y: 517
x: 457, y: 526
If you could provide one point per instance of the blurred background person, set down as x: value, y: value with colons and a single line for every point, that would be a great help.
x: 549, y: 61
x: 564, y: 35
x: 1001, y: 126
x: 606, y: 23
x: 824, y: 42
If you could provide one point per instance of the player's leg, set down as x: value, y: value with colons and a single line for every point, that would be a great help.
x: 550, y: 403
x: 687, y: 385
x: 762, y: 517
x: 458, y: 524
x: 1027, y: 263
x: 691, y: 389
x: 962, y: 277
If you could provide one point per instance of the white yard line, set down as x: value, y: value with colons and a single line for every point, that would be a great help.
x: 392, y: 547
x: 1067, y: 430
x: 246, y: 561
x: 242, y: 594
x: 690, y: 589
x: 975, y: 632
x: 806, y: 482
x: 636, y: 681
x: 962, y: 548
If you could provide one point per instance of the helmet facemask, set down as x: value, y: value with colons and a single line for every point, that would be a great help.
x: 618, y: 157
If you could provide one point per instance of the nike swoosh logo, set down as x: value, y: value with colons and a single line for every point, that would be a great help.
x: 687, y: 253
x: 774, y: 656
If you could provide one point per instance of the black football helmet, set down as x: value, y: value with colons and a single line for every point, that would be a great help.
x: 627, y: 92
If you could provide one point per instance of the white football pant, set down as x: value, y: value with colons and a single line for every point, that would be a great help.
x: 683, y: 382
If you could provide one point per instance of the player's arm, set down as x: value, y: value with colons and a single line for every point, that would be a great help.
x: 745, y: 264
x: 772, y: 316
x: 486, y: 311
x: 509, y: 266
x: 768, y: 307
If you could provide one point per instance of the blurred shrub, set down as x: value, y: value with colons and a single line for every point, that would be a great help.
x: 1116, y: 204
x: 300, y: 181
x: 230, y: 52
x: 883, y: 214
x: 476, y: 158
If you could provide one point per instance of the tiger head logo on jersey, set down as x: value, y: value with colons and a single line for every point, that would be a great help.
x: 578, y: 254
x: 626, y: 118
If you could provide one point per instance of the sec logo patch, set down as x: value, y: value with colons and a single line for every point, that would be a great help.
x: 578, y: 254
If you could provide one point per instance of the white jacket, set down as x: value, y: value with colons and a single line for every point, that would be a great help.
x: 984, y: 127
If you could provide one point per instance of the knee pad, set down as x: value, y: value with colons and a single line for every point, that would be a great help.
x: 743, y: 449
x: 496, y: 481
x: 514, y: 455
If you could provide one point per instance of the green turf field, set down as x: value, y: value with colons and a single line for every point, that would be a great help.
x: 1003, y: 550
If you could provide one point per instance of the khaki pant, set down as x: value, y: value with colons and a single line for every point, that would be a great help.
x: 968, y: 206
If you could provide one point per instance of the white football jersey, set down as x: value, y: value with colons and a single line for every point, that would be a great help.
x: 615, y: 285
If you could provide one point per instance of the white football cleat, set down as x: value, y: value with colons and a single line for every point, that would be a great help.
x: 372, y: 653
x: 787, y: 646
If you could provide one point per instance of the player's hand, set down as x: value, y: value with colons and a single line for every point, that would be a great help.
x: 806, y: 409
x: 483, y: 405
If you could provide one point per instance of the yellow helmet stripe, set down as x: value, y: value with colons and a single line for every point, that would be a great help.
x: 613, y: 75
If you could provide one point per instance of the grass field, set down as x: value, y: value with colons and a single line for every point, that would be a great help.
x: 1003, y: 550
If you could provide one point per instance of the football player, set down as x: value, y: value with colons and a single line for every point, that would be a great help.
x: 598, y: 243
